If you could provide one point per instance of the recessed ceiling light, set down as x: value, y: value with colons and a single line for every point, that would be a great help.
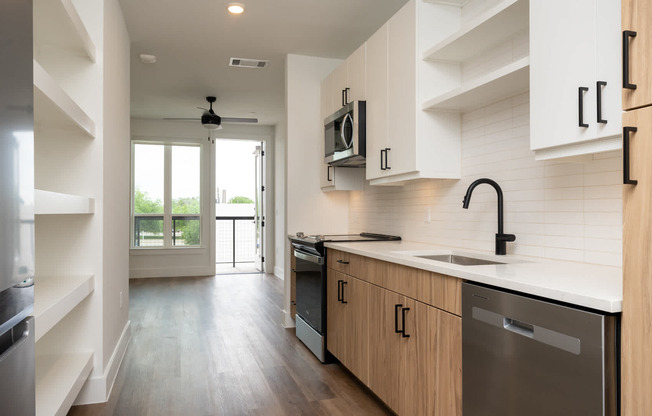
x: 235, y: 8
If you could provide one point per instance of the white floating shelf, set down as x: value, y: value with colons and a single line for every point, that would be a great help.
x: 59, y: 378
x: 55, y: 297
x: 58, y: 23
x: 459, y: 3
x: 46, y: 203
x: 487, y: 30
x: 54, y: 108
x: 505, y: 82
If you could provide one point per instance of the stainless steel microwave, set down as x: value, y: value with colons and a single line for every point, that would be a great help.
x: 345, y: 135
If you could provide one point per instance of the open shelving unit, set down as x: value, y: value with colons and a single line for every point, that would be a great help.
x: 55, y: 297
x: 59, y: 378
x: 504, y: 82
x: 495, y: 29
x: 55, y: 108
x: 65, y: 73
x: 57, y: 203
x: 490, y: 28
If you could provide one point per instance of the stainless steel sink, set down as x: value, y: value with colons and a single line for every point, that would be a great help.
x: 460, y: 260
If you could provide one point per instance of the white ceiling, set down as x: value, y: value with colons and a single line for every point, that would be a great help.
x: 194, y: 39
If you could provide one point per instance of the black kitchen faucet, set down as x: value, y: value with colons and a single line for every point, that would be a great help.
x: 501, y: 238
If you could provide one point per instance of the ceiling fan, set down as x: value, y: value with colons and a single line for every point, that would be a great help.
x: 212, y: 121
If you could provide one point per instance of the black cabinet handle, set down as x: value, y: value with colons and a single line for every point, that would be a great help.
x: 626, y: 35
x: 343, y: 98
x: 598, y: 86
x: 328, y: 174
x: 396, y: 308
x: 342, y: 262
x: 339, y: 290
x: 626, y: 133
x: 580, y: 99
x: 403, y: 320
x: 346, y: 95
x: 382, y: 157
x: 343, y: 283
x: 387, y: 149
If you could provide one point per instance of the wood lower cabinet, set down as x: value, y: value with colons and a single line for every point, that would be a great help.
x: 384, y: 327
x: 416, y: 354
x: 347, y: 333
x: 636, y: 360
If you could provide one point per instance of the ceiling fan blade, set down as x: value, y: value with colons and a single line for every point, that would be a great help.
x: 239, y: 120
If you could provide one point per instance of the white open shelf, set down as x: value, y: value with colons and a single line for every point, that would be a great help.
x: 59, y: 378
x: 47, y: 202
x: 55, y: 297
x: 54, y: 108
x: 490, y: 28
x: 58, y: 23
x: 504, y: 82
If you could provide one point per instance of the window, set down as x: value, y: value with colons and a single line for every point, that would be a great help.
x: 166, y: 195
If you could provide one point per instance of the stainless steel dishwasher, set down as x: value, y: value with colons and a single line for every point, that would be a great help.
x: 526, y: 356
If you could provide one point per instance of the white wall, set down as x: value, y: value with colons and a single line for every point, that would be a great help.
x: 280, y: 164
x: 558, y: 210
x: 308, y: 209
x: 198, y: 261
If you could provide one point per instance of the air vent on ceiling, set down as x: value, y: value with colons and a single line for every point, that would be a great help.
x: 248, y: 63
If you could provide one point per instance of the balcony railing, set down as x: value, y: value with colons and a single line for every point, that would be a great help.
x: 148, y: 230
x: 236, y: 240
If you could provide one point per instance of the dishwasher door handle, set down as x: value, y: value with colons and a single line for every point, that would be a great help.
x: 19, y: 335
x: 518, y: 327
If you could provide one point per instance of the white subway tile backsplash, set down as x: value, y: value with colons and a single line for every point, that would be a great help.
x: 558, y: 210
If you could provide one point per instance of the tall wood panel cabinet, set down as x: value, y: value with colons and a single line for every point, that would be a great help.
x: 636, y: 360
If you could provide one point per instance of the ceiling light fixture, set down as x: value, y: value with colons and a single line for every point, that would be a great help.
x: 235, y: 8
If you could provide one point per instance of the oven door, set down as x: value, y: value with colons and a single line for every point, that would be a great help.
x: 311, y: 289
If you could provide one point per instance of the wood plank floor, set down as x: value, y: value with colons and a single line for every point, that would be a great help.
x: 214, y: 346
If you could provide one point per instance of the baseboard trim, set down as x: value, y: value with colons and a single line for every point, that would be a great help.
x: 286, y: 320
x: 171, y: 272
x: 98, y: 389
x: 279, y: 272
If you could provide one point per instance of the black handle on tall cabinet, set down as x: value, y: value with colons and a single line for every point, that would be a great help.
x: 343, y: 283
x: 598, y: 86
x: 580, y: 100
x: 403, y: 321
x: 396, y: 308
x: 626, y: 132
x: 626, y: 35
x: 339, y: 290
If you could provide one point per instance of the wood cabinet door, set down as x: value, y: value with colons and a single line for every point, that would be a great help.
x: 355, y: 74
x: 636, y: 338
x: 562, y: 59
x: 401, y: 90
x: 636, y: 16
x: 356, y: 316
x: 376, y: 78
x: 384, y: 345
x: 335, y: 328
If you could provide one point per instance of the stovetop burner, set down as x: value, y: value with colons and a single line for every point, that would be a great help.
x: 317, y: 241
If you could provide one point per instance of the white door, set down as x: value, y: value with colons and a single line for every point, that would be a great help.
x: 259, y: 215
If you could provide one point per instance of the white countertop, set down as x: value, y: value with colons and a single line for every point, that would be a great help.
x: 588, y: 285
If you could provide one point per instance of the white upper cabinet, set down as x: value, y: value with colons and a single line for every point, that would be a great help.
x: 355, y: 74
x: 376, y: 75
x: 575, y: 77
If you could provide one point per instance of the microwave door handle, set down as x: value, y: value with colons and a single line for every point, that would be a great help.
x: 347, y: 143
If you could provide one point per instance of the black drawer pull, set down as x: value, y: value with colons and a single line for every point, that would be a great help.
x: 580, y: 100
x: 342, y: 262
x: 396, y: 308
x: 403, y: 319
x: 626, y: 133
x: 626, y: 35
x: 599, y: 86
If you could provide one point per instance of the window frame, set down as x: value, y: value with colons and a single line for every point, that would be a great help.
x: 167, y: 214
